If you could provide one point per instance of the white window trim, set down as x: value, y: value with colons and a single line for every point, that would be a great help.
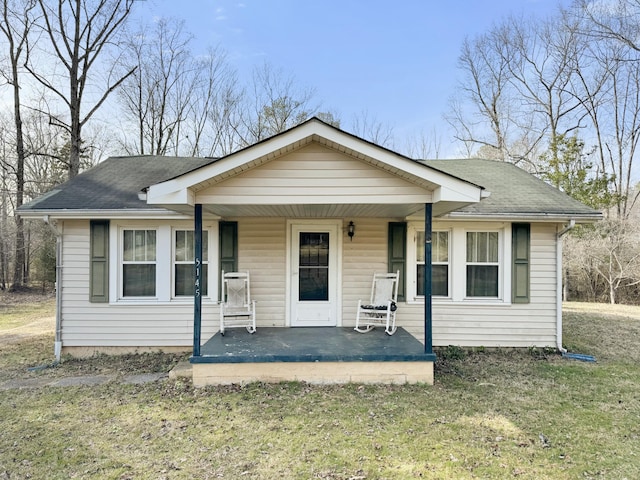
x: 208, y: 262
x: 412, y: 260
x: 121, y: 262
x: 499, y: 263
x: 458, y: 262
x: 164, y: 262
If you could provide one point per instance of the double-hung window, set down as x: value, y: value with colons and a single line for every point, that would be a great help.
x: 183, y: 261
x: 483, y: 264
x: 439, y: 262
x: 139, y: 263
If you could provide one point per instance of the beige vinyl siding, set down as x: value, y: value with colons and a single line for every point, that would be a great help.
x: 498, y: 324
x: 263, y: 252
x: 312, y: 175
x: 365, y: 255
x: 125, y: 324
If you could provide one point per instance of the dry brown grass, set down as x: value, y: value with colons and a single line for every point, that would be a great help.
x: 515, y: 413
x: 610, y: 332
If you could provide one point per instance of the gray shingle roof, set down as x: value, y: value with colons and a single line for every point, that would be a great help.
x: 513, y: 191
x: 115, y: 183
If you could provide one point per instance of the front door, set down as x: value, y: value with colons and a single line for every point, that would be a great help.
x: 314, y: 274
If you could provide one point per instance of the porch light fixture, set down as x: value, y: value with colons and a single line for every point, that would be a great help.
x: 351, y: 231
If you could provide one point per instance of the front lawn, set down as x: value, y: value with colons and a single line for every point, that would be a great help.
x: 526, y: 414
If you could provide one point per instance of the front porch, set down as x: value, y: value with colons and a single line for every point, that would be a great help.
x: 314, y: 355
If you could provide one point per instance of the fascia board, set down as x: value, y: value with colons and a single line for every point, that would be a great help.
x: 460, y: 192
x: 516, y: 217
x: 105, y: 214
x: 179, y: 197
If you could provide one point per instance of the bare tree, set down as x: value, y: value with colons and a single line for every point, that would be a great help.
x: 621, y: 144
x: 6, y: 191
x: 332, y: 118
x: 424, y: 145
x: 615, y: 20
x: 513, y: 93
x: 607, y: 84
x: 48, y: 149
x: 80, y: 32
x: 613, y: 244
x: 175, y: 101
x: 367, y: 126
x: 16, y: 26
x: 158, y: 94
x: 214, y: 117
x: 543, y: 56
x: 485, y: 120
x: 276, y: 102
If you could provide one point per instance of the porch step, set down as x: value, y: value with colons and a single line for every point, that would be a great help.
x: 181, y: 370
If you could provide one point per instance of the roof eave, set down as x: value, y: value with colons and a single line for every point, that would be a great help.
x: 538, y: 217
x: 114, y: 214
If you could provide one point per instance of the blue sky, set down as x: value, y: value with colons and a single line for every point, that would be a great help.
x: 394, y: 60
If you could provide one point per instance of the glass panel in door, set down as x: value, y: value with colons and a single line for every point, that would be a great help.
x: 314, y: 266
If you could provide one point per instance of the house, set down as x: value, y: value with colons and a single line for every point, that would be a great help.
x: 495, y: 255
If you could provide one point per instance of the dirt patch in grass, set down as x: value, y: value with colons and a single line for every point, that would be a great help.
x: 33, y: 357
x: 24, y: 296
x: 27, y: 323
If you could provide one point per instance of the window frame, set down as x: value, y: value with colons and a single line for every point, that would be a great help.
x: 457, y: 261
x: 122, y: 262
x: 174, y: 262
x: 412, y: 262
x: 164, y: 264
x: 499, y: 262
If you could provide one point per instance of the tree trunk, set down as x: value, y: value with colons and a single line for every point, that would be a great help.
x: 18, y: 269
x: 18, y: 264
x: 74, y: 101
x: 3, y: 233
x: 612, y: 294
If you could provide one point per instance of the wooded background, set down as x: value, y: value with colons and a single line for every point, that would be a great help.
x: 558, y: 96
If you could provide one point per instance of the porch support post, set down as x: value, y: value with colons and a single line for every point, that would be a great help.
x: 197, y: 291
x: 428, y: 310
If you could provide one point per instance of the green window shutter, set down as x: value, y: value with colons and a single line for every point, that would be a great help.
x: 228, y: 246
x: 99, y: 261
x: 521, y: 258
x: 398, y: 253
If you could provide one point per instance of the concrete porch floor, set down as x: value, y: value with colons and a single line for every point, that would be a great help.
x: 315, y: 355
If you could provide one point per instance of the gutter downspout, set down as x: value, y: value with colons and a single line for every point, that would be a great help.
x: 57, y: 346
x: 559, y: 235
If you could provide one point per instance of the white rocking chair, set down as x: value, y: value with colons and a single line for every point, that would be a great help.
x: 236, y: 308
x: 381, y: 308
